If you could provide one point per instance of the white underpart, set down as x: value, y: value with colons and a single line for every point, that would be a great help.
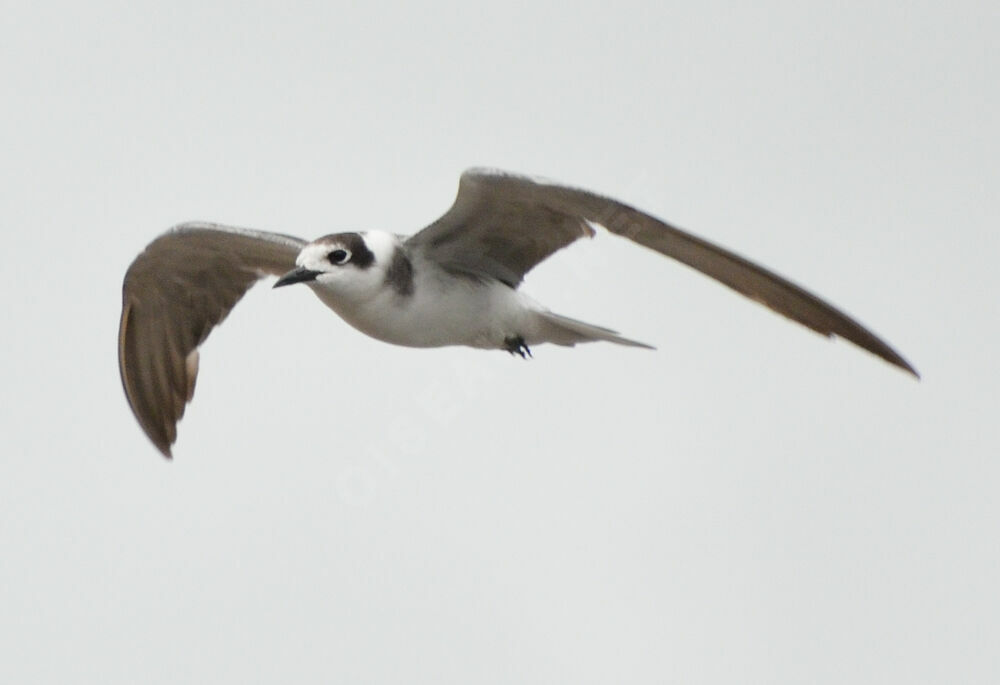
x: 443, y: 309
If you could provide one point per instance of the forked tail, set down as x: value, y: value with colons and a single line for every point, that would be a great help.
x: 562, y: 330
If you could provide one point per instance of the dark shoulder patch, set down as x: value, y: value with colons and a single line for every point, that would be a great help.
x: 399, y: 275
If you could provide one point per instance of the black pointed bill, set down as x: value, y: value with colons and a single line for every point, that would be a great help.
x: 299, y: 275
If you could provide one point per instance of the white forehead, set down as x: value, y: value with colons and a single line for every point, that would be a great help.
x: 382, y: 246
x: 312, y: 253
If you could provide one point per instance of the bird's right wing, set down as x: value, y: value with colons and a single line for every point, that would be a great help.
x: 175, y: 292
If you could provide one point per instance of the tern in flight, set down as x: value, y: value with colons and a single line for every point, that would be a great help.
x: 456, y: 282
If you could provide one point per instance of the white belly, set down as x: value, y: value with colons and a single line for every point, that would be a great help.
x: 441, y: 311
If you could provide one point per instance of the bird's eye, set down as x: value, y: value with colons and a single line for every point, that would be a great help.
x: 338, y: 256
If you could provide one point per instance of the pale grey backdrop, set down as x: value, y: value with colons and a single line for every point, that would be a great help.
x: 750, y: 503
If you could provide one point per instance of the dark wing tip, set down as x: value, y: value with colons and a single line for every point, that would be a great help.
x: 869, y: 342
x: 158, y: 433
x: 898, y: 361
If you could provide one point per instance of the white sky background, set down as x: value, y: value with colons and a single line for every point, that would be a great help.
x: 750, y: 503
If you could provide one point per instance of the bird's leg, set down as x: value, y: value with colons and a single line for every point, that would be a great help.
x: 515, y: 345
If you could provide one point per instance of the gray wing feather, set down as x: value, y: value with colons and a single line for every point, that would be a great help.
x: 502, y: 225
x: 175, y: 292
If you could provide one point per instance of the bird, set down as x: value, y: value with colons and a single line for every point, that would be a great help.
x: 456, y: 282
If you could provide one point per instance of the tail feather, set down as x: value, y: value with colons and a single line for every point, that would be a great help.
x: 562, y: 330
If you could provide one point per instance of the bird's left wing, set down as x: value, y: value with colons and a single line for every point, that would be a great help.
x: 175, y: 292
x: 501, y: 225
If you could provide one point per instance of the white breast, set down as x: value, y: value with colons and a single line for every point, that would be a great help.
x: 442, y: 310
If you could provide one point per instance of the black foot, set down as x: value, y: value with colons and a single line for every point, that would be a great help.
x: 516, y: 345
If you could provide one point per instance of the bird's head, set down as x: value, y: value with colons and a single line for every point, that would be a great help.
x: 346, y: 265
